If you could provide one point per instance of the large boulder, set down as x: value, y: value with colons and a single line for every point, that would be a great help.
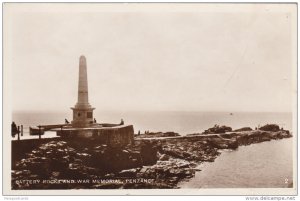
x: 149, y: 153
x: 222, y: 143
x: 270, y: 127
x: 111, y: 159
x: 218, y: 129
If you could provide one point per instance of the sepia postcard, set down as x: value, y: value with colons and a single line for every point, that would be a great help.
x: 150, y: 99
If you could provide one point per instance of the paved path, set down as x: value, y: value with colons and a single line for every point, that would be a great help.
x: 179, y: 137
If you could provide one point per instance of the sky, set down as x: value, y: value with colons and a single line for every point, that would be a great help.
x: 152, y: 57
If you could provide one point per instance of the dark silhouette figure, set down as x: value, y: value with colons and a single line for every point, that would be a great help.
x: 66, y: 121
x: 14, y: 129
x: 95, y: 121
x: 122, y: 122
x: 139, y: 132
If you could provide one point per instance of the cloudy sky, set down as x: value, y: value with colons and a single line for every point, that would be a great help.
x: 217, y: 57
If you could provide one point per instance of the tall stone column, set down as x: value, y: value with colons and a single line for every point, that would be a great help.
x: 83, y: 97
x: 82, y: 112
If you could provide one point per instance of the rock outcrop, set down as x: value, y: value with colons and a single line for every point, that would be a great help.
x: 218, y: 129
x: 159, y: 162
x: 270, y: 127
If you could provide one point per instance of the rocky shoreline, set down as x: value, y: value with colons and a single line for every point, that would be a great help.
x: 153, y: 161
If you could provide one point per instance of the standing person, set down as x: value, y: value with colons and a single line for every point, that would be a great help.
x: 14, y: 129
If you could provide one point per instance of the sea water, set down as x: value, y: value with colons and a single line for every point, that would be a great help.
x: 177, y: 121
x: 263, y: 165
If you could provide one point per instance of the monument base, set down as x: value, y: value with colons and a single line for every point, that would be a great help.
x: 114, y: 136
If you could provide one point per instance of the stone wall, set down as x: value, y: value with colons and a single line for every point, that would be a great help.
x: 113, y: 136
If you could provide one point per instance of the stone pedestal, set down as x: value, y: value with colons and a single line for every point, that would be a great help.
x: 82, y: 117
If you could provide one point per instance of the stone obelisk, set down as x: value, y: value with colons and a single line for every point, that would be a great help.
x: 82, y: 112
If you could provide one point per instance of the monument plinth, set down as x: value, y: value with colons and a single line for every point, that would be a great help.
x: 82, y: 112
